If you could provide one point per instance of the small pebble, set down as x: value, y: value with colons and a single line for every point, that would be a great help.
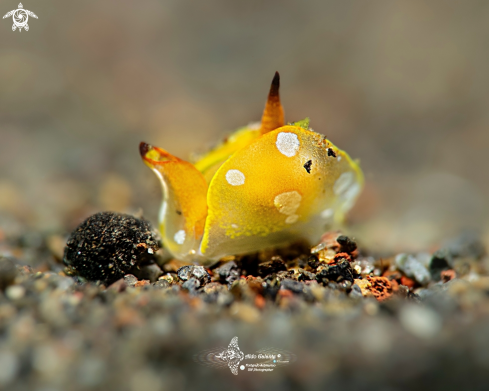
x: 191, y: 284
x: 130, y: 280
x: 413, y: 266
x: 356, y: 292
x: 8, y: 272
x: 347, y: 245
x: 228, y: 272
x: 161, y: 284
x: 305, y: 275
x: 420, y: 321
x: 198, y: 272
x: 9, y: 365
x: 15, y: 292
x: 335, y: 272
x: 274, y: 266
x: 292, y: 285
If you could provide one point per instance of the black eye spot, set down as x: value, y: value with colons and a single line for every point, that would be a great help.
x: 179, y: 212
x: 307, y: 166
x: 331, y: 152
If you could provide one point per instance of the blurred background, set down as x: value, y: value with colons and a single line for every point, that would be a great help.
x: 403, y: 86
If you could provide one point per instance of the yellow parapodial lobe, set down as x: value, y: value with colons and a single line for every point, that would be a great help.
x: 277, y: 189
x: 184, y: 207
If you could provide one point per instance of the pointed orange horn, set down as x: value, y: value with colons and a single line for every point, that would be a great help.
x: 273, y: 115
x: 154, y: 156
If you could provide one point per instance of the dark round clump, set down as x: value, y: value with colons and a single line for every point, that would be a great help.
x: 8, y: 272
x: 107, y: 245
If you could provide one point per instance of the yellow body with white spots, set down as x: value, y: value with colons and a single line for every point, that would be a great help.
x: 264, y: 186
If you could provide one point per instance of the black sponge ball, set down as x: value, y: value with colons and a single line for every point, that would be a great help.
x: 107, y: 245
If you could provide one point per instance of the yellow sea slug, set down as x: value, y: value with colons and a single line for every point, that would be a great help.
x: 263, y: 186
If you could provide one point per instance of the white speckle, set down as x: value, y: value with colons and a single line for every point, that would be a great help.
x: 291, y: 219
x: 352, y: 192
x: 235, y: 226
x: 287, y: 143
x: 339, y: 158
x: 327, y: 213
x: 235, y: 177
x: 287, y: 204
x: 15, y: 292
x: 111, y: 265
x: 150, y: 251
x: 343, y: 183
x: 350, y: 196
x: 179, y: 237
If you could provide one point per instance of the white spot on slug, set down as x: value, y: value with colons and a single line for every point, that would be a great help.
x: 287, y: 204
x: 352, y: 192
x: 179, y: 237
x: 287, y: 143
x: 327, y: 213
x: 343, y: 183
x: 291, y: 219
x: 350, y: 195
x: 235, y: 177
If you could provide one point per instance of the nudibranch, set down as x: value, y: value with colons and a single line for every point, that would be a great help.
x: 265, y: 185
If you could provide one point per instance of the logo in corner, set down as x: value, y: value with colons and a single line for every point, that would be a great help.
x: 232, y: 355
x: 20, y: 16
x: 264, y: 360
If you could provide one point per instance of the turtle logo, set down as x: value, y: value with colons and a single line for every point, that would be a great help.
x: 20, y: 16
x: 232, y: 355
